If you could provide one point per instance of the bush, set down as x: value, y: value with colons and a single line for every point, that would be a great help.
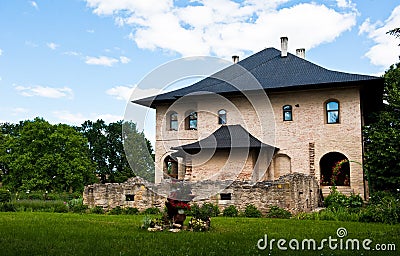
x: 336, y: 200
x: 5, y: 196
x: 230, y: 211
x: 7, y: 207
x: 116, y: 211
x: 97, y: 210
x: 277, y: 212
x: 62, y: 208
x: 385, y: 210
x: 76, y: 205
x: 131, y: 211
x: 212, y: 209
x: 152, y: 210
x: 252, y: 212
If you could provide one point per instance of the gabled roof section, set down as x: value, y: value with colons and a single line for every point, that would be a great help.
x: 273, y: 72
x: 226, y: 137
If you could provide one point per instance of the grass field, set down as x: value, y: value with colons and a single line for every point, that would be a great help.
x: 31, y: 233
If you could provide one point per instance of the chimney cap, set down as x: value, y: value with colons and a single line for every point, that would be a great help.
x: 301, y: 53
x: 284, y: 46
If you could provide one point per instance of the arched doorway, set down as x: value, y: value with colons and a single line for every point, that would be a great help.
x: 334, y: 169
x: 171, y: 167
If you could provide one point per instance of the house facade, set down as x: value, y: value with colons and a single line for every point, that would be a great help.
x: 269, y: 115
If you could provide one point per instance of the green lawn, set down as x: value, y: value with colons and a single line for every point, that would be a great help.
x: 24, y: 233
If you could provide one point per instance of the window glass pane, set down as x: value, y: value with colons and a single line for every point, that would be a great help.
x: 222, y: 116
x: 193, y: 124
x: 287, y: 107
x: 174, y: 117
x: 174, y: 125
x: 333, y: 117
x: 332, y: 106
x: 288, y: 116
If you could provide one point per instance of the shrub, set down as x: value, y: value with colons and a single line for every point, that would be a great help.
x: 131, y: 211
x: 76, y: 205
x: 199, y: 225
x: 336, y: 200
x: 152, y: 210
x: 212, y: 209
x: 7, y: 207
x: 116, y: 211
x: 386, y: 210
x: 194, y: 210
x: 5, y: 196
x: 97, y: 210
x: 252, y: 212
x: 230, y: 211
x: 62, y: 208
x: 277, y: 212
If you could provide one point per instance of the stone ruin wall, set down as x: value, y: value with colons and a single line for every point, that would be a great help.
x: 295, y: 192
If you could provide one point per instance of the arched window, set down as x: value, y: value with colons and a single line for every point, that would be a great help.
x: 173, y: 121
x: 335, y: 169
x: 222, y: 116
x: 287, y: 113
x: 191, y: 121
x: 332, y: 112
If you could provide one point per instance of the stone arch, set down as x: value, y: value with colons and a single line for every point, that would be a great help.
x: 328, y: 163
x: 170, y: 167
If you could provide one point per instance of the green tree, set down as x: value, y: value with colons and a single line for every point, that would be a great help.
x: 95, y: 133
x: 36, y: 155
x: 138, y: 152
x: 382, y: 138
x: 106, y: 147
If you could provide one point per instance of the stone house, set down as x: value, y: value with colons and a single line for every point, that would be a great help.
x: 266, y: 130
x: 266, y: 116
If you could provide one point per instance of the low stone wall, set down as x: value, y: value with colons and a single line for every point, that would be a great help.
x: 295, y: 192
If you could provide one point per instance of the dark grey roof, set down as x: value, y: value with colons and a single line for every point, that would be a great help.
x: 226, y: 137
x: 273, y: 73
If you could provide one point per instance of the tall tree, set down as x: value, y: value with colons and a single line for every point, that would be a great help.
x: 95, y: 133
x: 382, y: 138
x: 41, y: 156
x: 106, y: 146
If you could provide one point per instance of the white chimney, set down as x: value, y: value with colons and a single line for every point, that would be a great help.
x: 284, y: 46
x: 235, y: 59
x: 301, y: 53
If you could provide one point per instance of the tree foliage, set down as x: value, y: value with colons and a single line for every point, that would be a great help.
x: 106, y: 147
x: 36, y: 155
x: 382, y: 138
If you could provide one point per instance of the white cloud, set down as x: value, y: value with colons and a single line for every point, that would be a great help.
x: 66, y: 116
x: 106, y: 61
x: 127, y: 93
x: 34, y: 5
x: 91, y: 31
x: 52, y: 45
x: 1, y: 52
x: 124, y: 60
x: 226, y: 27
x: 101, y: 61
x: 44, y: 91
x: 72, y: 53
x: 385, y: 50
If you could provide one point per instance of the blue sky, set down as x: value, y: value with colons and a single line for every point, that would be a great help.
x: 73, y: 60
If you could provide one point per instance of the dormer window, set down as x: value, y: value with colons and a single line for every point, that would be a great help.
x: 332, y: 112
x: 287, y: 113
x: 191, y: 121
x: 222, y: 116
x: 173, y: 121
